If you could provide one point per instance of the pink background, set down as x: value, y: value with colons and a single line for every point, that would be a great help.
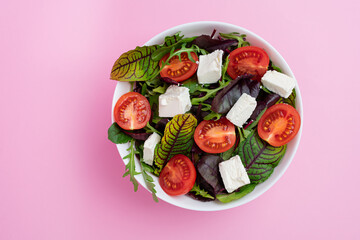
x: 60, y: 178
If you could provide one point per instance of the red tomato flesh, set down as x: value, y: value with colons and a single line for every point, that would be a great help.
x: 132, y: 111
x: 178, y: 176
x: 179, y: 70
x: 248, y: 60
x: 279, y: 124
x: 215, y: 136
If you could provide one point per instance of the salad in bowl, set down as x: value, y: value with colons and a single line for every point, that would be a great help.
x: 206, y: 116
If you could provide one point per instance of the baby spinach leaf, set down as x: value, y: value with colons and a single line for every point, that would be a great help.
x: 258, y: 157
x: 116, y: 134
x: 135, y: 65
x: 228, y: 96
x: 177, y: 139
x: 241, y: 192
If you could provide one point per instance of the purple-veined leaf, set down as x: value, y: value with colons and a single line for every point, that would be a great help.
x: 177, y: 139
x: 135, y: 65
x: 259, y: 157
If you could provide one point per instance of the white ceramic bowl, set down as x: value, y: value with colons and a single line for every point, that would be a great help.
x: 198, y: 28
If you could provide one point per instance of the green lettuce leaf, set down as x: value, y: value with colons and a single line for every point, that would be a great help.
x: 259, y: 157
x: 135, y: 65
x: 225, y: 198
x: 177, y: 139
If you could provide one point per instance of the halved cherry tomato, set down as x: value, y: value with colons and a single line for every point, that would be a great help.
x: 279, y: 124
x: 248, y: 60
x: 132, y: 111
x: 178, y: 176
x: 179, y: 71
x: 215, y: 136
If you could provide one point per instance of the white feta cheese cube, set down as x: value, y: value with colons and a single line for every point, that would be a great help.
x: 176, y: 100
x: 278, y: 83
x: 209, y: 70
x: 149, y: 147
x: 242, y: 110
x: 233, y: 174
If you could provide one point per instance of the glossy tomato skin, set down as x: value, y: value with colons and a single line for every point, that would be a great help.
x: 178, y: 176
x: 215, y: 136
x: 279, y: 124
x: 132, y: 111
x: 179, y: 70
x: 248, y: 60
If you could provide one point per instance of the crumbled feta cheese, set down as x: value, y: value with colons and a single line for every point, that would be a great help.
x: 233, y: 174
x: 278, y: 83
x: 149, y: 147
x: 209, y: 70
x: 242, y: 110
x: 176, y: 100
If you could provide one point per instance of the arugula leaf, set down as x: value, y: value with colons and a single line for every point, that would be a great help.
x: 135, y: 65
x: 116, y: 135
x: 149, y: 181
x: 209, y: 93
x: 130, y: 166
x: 213, y: 115
x: 165, y: 49
x: 234, y: 35
x: 244, y: 190
x: 259, y: 157
x: 177, y: 139
x: 198, y: 191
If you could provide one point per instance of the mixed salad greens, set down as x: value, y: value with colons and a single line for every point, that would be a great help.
x: 195, y: 142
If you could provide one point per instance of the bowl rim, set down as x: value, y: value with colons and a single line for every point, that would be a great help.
x: 253, y: 195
